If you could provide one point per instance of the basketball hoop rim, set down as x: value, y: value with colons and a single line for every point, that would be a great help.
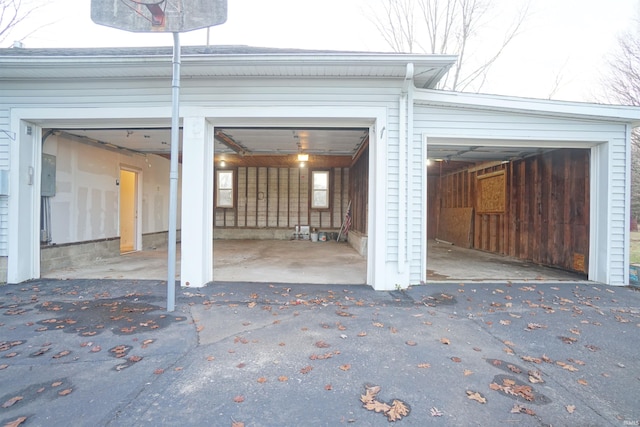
x: 150, y: 3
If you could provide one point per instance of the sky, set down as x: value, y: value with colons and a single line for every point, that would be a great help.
x: 562, y: 40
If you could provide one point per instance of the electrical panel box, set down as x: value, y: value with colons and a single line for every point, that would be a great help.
x: 4, y: 182
x: 48, y: 182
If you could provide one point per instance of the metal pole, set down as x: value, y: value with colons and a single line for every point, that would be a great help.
x: 173, y: 174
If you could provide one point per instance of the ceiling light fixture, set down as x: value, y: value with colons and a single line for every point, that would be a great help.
x: 303, y: 157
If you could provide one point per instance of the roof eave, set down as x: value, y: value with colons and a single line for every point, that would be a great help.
x: 570, y: 109
x: 433, y: 66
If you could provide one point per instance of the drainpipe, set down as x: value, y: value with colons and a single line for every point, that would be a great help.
x: 403, y: 196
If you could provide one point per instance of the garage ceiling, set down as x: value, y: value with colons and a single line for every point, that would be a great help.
x: 259, y: 146
x: 243, y: 141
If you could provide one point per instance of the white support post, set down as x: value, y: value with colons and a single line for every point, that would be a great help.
x: 197, y: 202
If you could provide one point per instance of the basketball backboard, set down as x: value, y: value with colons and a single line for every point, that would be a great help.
x: 171, y: 16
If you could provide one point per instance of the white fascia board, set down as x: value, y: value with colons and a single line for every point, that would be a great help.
x: 257, y: 65
x: 579, y: 110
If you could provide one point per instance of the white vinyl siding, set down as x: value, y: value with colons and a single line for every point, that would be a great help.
x: 4, y: 225
x: 5, y: 144
x: 267, y: 93
x: 5, y: 131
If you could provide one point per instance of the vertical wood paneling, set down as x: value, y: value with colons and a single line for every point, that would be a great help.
x: 284, y: 200
x: 546, y: 215
x: 273, y: 197
x: 242, y: 197
x: 294, y: 197
x: 304, y: 199
x: 336, y: 203
x: 279, y: 198
x: 358, y: 190
x: 252, y: 192
x: 261, y: 198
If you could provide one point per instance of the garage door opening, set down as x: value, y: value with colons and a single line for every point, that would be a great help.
x: 508, y: 213
x: 304, y: 190
x: 264, y: 210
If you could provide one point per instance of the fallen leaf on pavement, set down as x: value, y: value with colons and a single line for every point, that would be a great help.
x: 456, y: 359
x: 535, y: 377
x: 533, y: 326
x: 398, y: 410
x: 237, y: 424
x: 283, y: 378
x: 12, y: 401
x: 61, y: 354
x: 377, y: 406
x: 570, y: 408
x: 56, y: 384
x: 158, y: 371
x: 467, y: 372
x: 424, y: 365
x: 518, y: 409
x: 582, y: 381
x: 65, y: 392
x: 411, y: 343
x: 435, y: 412
x: 474, y: 395
x: 306, y: 369
x: 568, y: 340
x: 445, y: 341
x: 345, y: 367
x: 328, y: 387
x: 238, y: 399
x: 322, y: 344
x: 394, y: 412
x: 16, y: 422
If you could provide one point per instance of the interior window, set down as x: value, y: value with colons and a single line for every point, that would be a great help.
x: 320, y: 189
x: 224, y: 189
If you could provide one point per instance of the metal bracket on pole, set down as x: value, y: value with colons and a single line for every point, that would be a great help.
x: 173, y: 174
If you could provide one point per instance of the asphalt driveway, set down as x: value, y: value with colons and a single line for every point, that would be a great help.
x: 105, y: 353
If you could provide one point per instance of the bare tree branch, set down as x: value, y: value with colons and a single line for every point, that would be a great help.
x: 446, y: 27
x: 621, y: 85
x: 15, y: 12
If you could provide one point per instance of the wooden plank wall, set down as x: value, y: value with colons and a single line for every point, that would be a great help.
x: 546, y: 215
x: 270, y: 197
x: 359, y: 192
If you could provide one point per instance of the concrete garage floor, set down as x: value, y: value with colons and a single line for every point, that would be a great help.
x: 287, y: 261
x: 452, y: 263
x: 263, y: 261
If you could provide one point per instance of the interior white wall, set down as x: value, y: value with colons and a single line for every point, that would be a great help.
x: 86, y: 203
